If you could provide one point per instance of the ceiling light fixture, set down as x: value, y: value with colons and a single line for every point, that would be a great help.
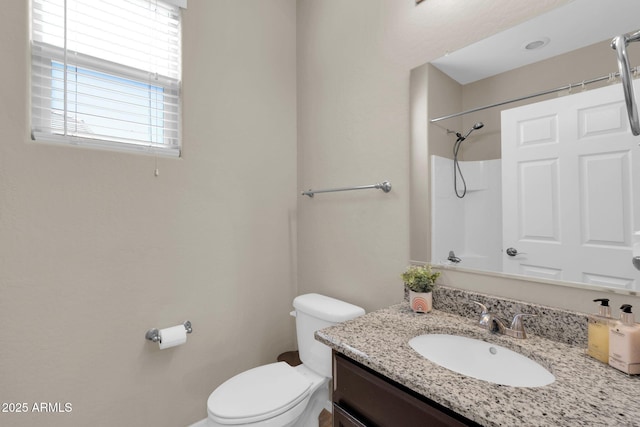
x: 536, y: 44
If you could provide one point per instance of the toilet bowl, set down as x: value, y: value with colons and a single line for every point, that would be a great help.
x: 277, y: 394
x: 274, y: 395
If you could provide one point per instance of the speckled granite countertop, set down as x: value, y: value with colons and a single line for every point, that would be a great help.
x: 585, y: 393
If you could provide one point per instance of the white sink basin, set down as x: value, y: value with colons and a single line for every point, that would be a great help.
x: 482, y: 360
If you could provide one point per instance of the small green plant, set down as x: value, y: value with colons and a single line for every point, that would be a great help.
x: 420, y: 279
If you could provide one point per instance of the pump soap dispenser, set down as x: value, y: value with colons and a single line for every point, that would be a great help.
x: 624, y: 343
x: 598, y: 331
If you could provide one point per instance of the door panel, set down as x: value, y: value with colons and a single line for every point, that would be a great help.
x: 570, y: 189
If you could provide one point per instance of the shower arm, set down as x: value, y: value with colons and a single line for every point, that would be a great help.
x: 619, y: 44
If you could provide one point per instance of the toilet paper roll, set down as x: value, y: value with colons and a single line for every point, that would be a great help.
x: 171, y: 337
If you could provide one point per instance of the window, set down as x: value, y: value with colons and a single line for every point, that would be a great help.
x: 107, y: 73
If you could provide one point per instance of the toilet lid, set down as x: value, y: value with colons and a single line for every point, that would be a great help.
x: 259, y: 393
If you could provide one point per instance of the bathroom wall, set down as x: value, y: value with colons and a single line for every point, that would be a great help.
x: 354, y: 59
x: 94, y: 249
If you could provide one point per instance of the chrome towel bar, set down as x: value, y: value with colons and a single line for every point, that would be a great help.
x: 384, y: 186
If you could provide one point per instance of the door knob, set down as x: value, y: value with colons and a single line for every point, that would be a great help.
x: 513, y: 252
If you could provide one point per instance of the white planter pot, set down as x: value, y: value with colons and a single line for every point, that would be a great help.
x: 421, y: 302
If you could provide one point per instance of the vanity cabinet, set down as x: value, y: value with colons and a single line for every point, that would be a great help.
x: 342, y: 418
x: 365, y: 398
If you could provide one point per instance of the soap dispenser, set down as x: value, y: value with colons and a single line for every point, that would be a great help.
x: 598, y: 331
x: 624, y: 343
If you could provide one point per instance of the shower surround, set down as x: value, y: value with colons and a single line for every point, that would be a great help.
x: 471, y: 226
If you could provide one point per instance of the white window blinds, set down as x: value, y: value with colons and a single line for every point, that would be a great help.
x: 107, y: 73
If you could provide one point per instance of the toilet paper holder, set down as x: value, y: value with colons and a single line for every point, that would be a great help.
x: 154, y: 333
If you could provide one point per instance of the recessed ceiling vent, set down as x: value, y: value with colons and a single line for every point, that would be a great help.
x: 537, y: 44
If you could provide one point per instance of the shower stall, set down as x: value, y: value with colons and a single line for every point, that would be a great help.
x: 470, y: 227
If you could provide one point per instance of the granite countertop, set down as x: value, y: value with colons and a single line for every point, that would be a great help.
x: 586, y: 392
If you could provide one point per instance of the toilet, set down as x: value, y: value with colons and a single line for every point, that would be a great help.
x: 277, y: 394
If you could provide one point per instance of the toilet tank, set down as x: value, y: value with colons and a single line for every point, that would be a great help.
x: 314, y: 312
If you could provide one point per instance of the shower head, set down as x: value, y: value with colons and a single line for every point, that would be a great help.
x: 476, y: 126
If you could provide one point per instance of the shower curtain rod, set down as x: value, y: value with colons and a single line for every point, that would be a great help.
x: 533, y: 95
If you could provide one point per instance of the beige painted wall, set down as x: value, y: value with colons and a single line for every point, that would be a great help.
x: 354, y: 62
x: 94, y: 249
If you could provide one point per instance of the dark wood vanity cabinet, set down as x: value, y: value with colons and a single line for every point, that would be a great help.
x: 364, y: 398
x: 342, y: 418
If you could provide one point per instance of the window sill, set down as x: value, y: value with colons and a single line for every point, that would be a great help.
x: 122, y: 147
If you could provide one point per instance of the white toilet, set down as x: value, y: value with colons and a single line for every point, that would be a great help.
x: 278, y: 395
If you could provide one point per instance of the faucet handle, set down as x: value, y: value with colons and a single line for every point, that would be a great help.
x: 482, y: 306
x: 485, y: 316
x: 517, y: 326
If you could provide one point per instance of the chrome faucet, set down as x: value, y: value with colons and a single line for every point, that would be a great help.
x: 497, y: 325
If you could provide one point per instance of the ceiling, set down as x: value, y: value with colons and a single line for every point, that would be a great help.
x: 574, y: 25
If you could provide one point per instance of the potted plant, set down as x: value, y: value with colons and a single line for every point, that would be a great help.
x: 421, y: 281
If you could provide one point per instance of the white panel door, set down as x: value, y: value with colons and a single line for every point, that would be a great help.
x: 570, y: 173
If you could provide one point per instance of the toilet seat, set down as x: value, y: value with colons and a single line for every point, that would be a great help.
x: 258, y: 394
